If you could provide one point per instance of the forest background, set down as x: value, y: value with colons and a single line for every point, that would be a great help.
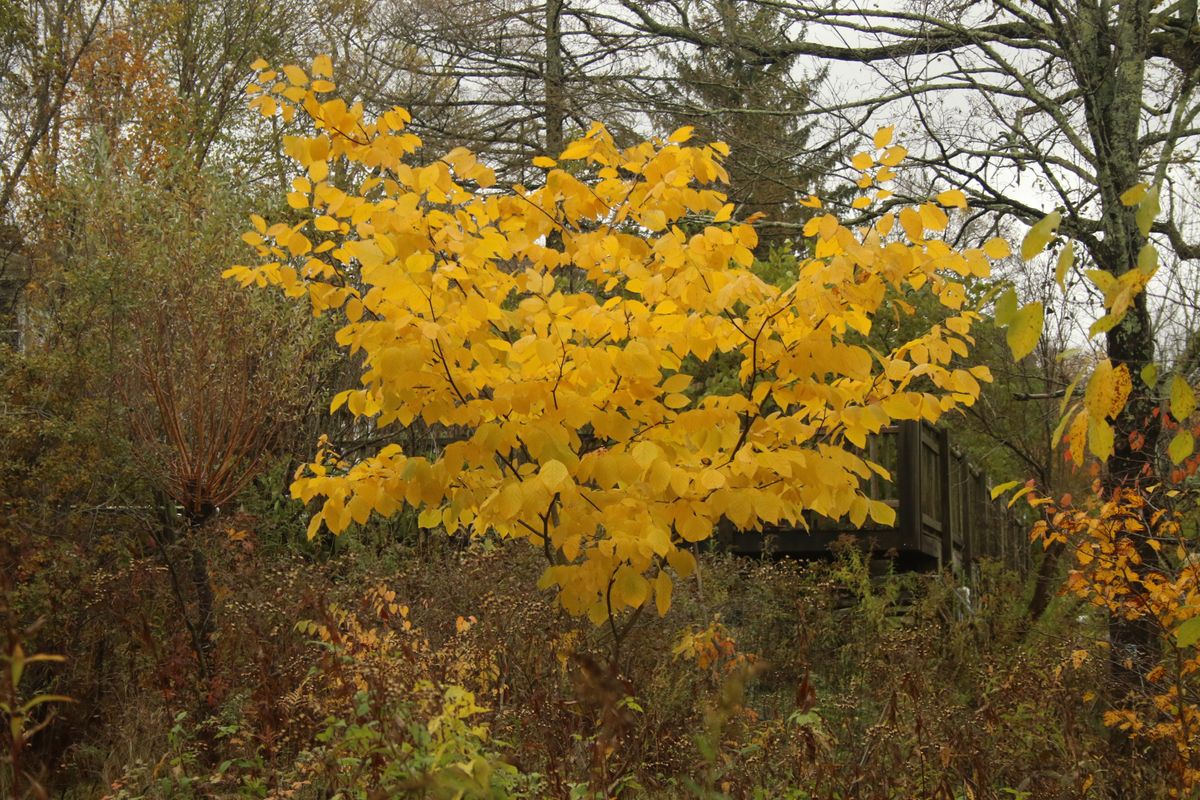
x: 181, y: 620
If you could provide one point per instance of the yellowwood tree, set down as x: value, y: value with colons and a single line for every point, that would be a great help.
x: 552, y: 333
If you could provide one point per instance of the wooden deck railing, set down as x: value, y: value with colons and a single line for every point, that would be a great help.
x: 944, y: 513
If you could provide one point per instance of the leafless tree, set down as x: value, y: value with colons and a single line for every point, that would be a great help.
x: 41, y: 43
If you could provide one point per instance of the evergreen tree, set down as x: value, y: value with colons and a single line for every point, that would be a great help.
x: 754, y: 104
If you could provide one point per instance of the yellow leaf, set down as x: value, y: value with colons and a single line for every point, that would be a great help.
x: 510, y: 500
x: 1183, y: 399
x: 654, y: 219
x: 882, y: 513
x: 1056, y: 436
x: 1098, y: 399
x: 1100, y: 438
x: 1077, y: 435
x: 662, y: 593
x: 580, y: 148
x: 683, y: 562
x: 645, y: 454
x: 996, y: 248
x: 1024, y: 490
x: 677, y: 401
x: 1066, y: 260
x: 953, y: 198
x: 631, y: 587
x: 1040, y: 235
x: 883, y: 137
x: 553, y: 474
x: 681, y: 135
x: 1004, y: 487
x: 1147, y: 210
x: 266, y: 105
x: 1103, y: 325
x: 893, y: 156
x: 545, y: 162
x: 1025, y: 330
x: 322, y: 67
x: 860, y: 202
x: 1122, y: 386
x: 862, y: 161
x: 1104, y: 281
x: 933, y: 217
x: 1134, y: 195
x: 676, y: 383
x: 1181, y: 447
x: 914, y: 228
x: 295, y: 75
x: 430, y: 517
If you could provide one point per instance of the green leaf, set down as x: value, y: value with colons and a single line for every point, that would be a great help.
x: 1147, y: 211
x: 1149, y: 375
x: 1188, y: 633
x: 1181, y: 447
x: 1006, y: 307
x: 1147, y: 261
x: 1040, y: 235
x: 1025, y: 330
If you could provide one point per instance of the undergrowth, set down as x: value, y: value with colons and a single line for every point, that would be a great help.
x: 389, y: 666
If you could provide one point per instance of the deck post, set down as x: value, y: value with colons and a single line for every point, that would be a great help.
x: 908, y: 488
x: 943, y: 477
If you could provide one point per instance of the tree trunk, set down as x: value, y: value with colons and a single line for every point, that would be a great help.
x: 553, y: 77
x: 204, y: 610
x: 1046, y: 582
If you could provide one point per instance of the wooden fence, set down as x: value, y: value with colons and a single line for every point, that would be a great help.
x: 944, y: 513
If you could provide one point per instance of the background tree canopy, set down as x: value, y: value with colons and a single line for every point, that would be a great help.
x: 347, y: 345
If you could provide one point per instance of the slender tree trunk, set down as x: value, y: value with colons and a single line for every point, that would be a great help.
x: 553, y: 77
x: 202, y: 585
x: 1046, y: 582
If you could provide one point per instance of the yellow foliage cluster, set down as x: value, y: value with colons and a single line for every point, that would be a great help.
x: 559, y: 329
x: 1133, y: 559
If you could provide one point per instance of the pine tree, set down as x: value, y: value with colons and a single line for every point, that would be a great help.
x: 754, y: 104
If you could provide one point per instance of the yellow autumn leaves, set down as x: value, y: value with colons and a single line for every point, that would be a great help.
x: 556, y: 335
x: 1088, y: 424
